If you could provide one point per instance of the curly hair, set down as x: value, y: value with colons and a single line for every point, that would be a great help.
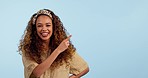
x: 32, y: 44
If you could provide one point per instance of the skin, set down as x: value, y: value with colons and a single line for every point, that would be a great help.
x: 44, y: 30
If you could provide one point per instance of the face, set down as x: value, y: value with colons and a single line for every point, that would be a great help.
x: 44, y: 27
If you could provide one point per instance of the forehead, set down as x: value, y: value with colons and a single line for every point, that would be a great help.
x: 43, y: 18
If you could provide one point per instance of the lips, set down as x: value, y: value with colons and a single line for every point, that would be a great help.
x: 44, y: 34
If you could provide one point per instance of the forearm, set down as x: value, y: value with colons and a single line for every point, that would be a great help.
x: 41, y: 68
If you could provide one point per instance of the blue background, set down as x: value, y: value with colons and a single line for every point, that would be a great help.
x: 111, y: 35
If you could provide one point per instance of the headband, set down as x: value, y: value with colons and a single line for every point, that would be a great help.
x: 40, y: 12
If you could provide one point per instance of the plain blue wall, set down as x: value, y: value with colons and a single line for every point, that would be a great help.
x: 111, y: 35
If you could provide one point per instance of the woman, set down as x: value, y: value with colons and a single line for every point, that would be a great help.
x: 47, y: 51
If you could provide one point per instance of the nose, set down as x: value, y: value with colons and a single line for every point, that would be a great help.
x: 44, y: 28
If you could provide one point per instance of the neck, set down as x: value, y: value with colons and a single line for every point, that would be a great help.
x: 46, y: 45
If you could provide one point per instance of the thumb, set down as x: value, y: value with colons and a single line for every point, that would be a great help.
x: 68, y: 38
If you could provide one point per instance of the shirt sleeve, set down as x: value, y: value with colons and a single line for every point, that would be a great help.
x: 29, y: 66
x: 77, y: 64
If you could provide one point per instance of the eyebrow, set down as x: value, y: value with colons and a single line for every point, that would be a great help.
x: 46, y: 23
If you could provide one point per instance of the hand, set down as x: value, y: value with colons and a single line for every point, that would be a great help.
x: 64, y: 44
x: 73, y: 76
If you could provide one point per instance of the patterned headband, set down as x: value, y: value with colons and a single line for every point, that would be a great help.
x: 45, y: 12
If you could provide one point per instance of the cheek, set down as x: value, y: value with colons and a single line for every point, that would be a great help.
x: 38, y: 31
x: 51, y: 29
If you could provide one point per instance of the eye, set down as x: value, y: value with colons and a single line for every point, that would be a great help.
x: 39, y: 25
x: 48, y: 25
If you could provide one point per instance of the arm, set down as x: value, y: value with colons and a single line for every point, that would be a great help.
x: 41, y: 68
x: 81, y: 74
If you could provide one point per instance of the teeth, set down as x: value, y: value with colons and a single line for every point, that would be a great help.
x: 44, y: 34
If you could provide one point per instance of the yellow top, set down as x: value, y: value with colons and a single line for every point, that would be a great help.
x: 77, y: 65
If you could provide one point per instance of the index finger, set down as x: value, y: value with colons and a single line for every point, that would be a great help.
x: 68, y: 38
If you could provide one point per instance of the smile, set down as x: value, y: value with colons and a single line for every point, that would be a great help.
x: 44, y: 34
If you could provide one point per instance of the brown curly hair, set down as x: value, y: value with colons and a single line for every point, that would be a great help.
x: 32, y: 45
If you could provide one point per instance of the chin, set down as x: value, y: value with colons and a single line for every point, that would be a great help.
x: 45, y: 39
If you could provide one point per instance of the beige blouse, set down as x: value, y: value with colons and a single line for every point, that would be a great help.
x: 77, y: 65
